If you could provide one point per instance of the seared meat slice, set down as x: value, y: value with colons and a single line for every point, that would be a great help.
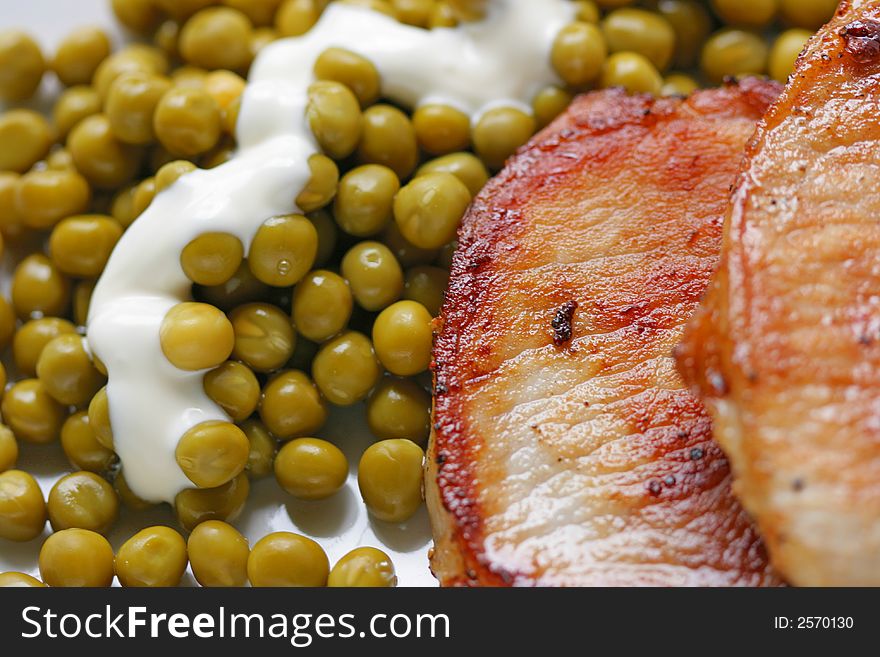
x: 786, y: 351
x: 566, y: 450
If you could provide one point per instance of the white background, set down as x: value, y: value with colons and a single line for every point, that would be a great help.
x: 340, y: 523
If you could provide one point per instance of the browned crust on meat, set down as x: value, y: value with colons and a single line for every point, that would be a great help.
x: 491, y: 229
x: 736, y: 353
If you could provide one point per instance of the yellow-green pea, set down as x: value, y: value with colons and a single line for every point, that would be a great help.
x: 467, y: 167
x: 79, y: 54
x: 30, y: 340
x: 99, y: 156
x: 587, y: 11
x: 21, y: 66
x: 296, y: 17
x: 441, y: 129
x: 67, y: 372
x: 217, y: 38
x: 26, y: 137
x: 363, y: 567
x: 784, y: 52
x: 382, y: 6
x: 8, y: 448
x: 549, y: 103
x: 183, y: 9
x: 678, y: 84
x: 196, y: 505
x: 212, y: 453
x: 334, y: 115
x: 427, y: 285
x: 322, y: 185
x: 310, y: 468
x: 39, y: 287
x: 60, y: 159
x: 399, y: 408
x: 189, y: 77
x: 363, y: 204
x: 170, y: 172
x: 234, y: 387
x: 99, y: 418
x: 346, y: 369
x: 82, y: 298
x: 187, y: 121
x: 218, y: 554
x: 196, y: 336
x: 468, y: 10
x: 44, y: 197
x: 322, y: 305
x: 348, y: 68
x: 22, y: 508
x: 131, y: 104
x: 140, y: 16
x: 12, y: 579
x: 429, y: 209
x: 413, y: 12
x: 374, y: 275
x: 264, y: 336
x: 499, y: 132
x: 122, y: 206
x: 135, y: 57
x: 76, y: 558
x: 731, y: 52
x: 262, y: 37
x: 325, y: 226
x: 211, y: 258
x: 442, y: 16
x: 388, y: 138
x: 808, y: 14
x: 578, y: 53
x: 287, y: 559
x: 82, y: 500
x: 259, y: 12
x: 263, y: 446
x: 640, y: 31
x: 691, y: 23
x: 402, y: 337
x: 243, y: 287
x: 11, y: 223
x: 291, y: 405
x: 72, y: 106
x: 406, y: 253
x: 7, y: 323
x: 390, y: 479
x: 166, y: 38
x: 154, y: 557
x: 81, y: 245
x: 749, y: 13
x: 283, y: 250
x: 631, y: 71
x: 82, y: 447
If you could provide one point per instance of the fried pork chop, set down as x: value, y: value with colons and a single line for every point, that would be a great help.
x: 566, y: 450
x: 786, y: 351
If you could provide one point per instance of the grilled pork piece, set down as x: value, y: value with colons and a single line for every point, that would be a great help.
x: 566, y: 450
x: 786, y: 350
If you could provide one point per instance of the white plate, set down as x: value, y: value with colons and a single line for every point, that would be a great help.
x: 339, y: 524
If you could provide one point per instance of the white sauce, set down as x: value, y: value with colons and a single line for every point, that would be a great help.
x: 503, y: 60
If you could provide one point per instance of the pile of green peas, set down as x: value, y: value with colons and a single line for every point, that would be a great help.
x: 330, y: 307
